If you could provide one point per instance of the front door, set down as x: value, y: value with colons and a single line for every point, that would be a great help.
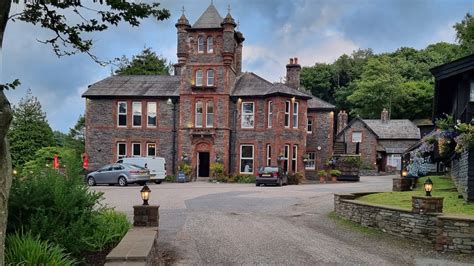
x: 203, y: 164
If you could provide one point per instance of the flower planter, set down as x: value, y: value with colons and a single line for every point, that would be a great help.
x: 322, y: 179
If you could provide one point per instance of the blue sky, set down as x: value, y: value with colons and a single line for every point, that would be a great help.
x: 275, y: 30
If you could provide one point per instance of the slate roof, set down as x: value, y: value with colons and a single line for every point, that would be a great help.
x: 210, y: 19
x: 250, y: 84
x: 316, y: 103
x: 135, y: 85
x: 393, y: 129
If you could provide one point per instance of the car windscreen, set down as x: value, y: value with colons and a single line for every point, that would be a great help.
x: 268, y: 169
x: 134, y: 166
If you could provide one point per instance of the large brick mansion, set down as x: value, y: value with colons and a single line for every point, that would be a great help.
x: 209, y: 110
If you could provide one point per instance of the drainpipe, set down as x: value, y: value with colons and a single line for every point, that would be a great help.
x: 174, y: 103
x: 232, y: 137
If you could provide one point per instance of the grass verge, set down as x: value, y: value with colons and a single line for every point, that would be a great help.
x: 443, y: 187
x: 353, y: 226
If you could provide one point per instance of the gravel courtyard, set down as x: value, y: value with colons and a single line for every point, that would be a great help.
x: 207, y: 223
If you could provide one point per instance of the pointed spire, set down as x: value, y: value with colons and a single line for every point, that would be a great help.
x: 210, y: 19
x: 229, y: 19
x: 182, y: 21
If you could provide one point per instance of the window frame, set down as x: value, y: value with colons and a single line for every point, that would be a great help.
x: 309, y: 125
x: 201, y: 45
x: 210, y: 78
x: 148, y: 115
x: 294, y: 117
x: 148, y: 149
x: 471, y: 92
x: 209, y: 103
x: 294, y: 158
x: 286, y: 155
x: 120, y: 156
x: 287, y: 114
x: 197, y: 78
x: 311, y: 162
x: 243, y: 114
x: 133, y: 113
x: 210, y: 44
x: 123, y: 114
x: 247, y: 158
x: 270, y: 114
x: 198, y: 122
x: 139, y: 147
x: 269, y: 155
x: 352, y: 136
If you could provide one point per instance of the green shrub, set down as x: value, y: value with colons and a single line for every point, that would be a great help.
x: 322, y: 173
x: 43, y: 160
x: 24, y: 249
x: 295, y: 179
x: 244, y: 179
x: 335, y: 173
x: 217, y: 171
x: 185, y: 168
x: 111, y: 227
x: 54, y: 207
x: 170, y: 178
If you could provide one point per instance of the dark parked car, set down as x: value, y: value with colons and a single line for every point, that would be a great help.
x: 271, y: 175
x: 119, y: 173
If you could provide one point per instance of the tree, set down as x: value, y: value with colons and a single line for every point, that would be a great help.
x: 379, y: 87
x: 67, y: 39
x: 146, y: 63
x: 29, y: 131
x: 318, y: 79
x: 77, y: 136
x: 465, y: 34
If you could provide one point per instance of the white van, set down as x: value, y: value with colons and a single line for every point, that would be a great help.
x: 156, y: 165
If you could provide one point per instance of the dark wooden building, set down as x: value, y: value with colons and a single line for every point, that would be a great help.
x: 454, y: 95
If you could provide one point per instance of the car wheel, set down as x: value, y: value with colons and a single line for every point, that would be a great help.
x: 280, y: 182
x: 158, y: 181
x: 122, y: 181
x: 91, y: 181
x: 257, y: 184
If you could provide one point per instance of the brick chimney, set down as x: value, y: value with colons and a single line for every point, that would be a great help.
x: 342, y: 118
x: 384, y: 116
x: 293, y: 73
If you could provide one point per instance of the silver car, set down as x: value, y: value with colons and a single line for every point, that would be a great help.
x: 119, y: 173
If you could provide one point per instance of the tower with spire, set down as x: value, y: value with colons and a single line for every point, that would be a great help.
x: 209, y: 60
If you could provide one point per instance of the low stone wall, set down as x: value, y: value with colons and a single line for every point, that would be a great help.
x: 462, y: 172
x: 138, y: 247
x: 433, y: 228
x: 455, y: 233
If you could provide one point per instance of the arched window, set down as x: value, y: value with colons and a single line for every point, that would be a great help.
x: 199, y: 77
x: 198, y: 115
x: 210, y: 44
x: 210, y: 77
x: 209, y: 114
x: 200, y: 44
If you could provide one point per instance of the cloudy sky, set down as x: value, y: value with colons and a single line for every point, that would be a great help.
x: 275, y: 30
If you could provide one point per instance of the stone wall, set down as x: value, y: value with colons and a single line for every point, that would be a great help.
x: 455, y: 234
x: 446, y: 233
x: 322, y: 136
x: 463, y: 175
x: 368, y: 146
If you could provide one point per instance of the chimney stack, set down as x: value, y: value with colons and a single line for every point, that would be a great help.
x: 342, y: 118
x: 293, y: 74
x: 384, y: 116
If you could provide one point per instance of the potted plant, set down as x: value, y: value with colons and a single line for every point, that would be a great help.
x: 334, y: 175
x: 322, y: 176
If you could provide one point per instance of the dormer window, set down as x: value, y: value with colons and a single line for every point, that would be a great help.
x: 210, y: 77
x: 199, y: 78
x: 201, y: 46
x: 210, y: 44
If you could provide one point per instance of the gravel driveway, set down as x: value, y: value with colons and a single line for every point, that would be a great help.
x: 207, y: 223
